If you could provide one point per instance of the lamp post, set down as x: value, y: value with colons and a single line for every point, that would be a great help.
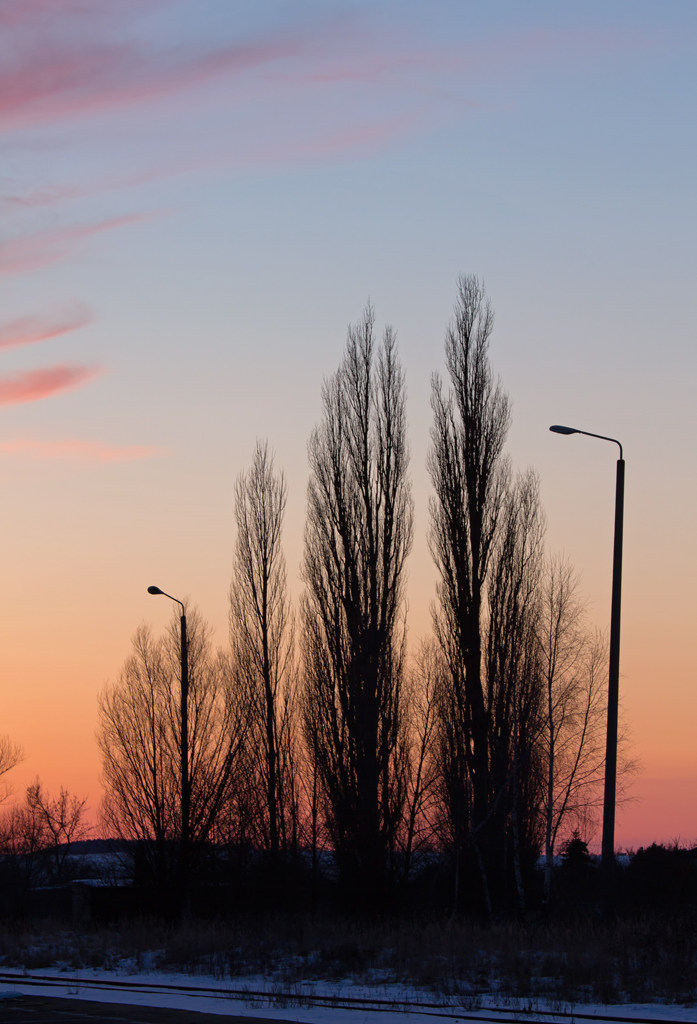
x: 608, y: 841
x: 185, y: 788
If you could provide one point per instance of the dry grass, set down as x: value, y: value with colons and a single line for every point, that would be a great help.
x: 649, y: 959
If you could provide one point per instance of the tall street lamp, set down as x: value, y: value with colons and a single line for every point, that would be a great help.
x: 185, y: 787
x: 608, y: 841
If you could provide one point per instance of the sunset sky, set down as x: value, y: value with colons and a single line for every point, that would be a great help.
x: 198, y: 197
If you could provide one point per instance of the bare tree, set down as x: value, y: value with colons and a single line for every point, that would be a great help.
x: 313, y: 813
x: 358, y: 535
x: 513, y: 680
x: 574, y: 665
x: 262, y: 642
x: 470, y: 475
x: 61, y: 823
x: 487, y: 533
x: 139, y: 737
x: 419, y: 827
x: 42, y: 831
x: 10, y: 756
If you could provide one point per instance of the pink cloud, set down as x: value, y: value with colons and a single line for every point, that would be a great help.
x: 87, y: 451
x: 48, y: 196
x: 27, y: 330
x: 49, y: 82
x: 97, y: 63
x: 16, y: 13
x: 57, y: 72
x: 54, y: 195
x: 33, y: 385
x: 31, y: 252
x: 19, y: 13
x: 316, y: 142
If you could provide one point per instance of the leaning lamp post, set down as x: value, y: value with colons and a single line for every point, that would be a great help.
x: 185, y: 789
x: 608, y: 841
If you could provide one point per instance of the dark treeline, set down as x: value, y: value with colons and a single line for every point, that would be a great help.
x: 327, y: 762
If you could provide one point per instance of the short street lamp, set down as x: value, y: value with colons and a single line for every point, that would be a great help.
x: 608, y: 841
x: 185, y: 787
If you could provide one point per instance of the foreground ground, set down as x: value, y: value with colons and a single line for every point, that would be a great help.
x: 345, y: 971
x: 51, y: 1010
x: 60, y: 997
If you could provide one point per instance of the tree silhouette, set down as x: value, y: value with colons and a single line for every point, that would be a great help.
x: 263, y: 648
x: 139, y: 739
x: 486, y: 536
x: 358, y: 535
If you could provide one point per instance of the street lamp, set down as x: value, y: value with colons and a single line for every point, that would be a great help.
x: 186, y: 794
x: 608, y: 841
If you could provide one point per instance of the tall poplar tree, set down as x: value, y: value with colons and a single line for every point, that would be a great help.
x: 486, y: 542
x: 358, y: 536
x: 262, y: 642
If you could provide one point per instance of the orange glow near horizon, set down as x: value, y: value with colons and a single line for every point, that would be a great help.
x: 53, y: 713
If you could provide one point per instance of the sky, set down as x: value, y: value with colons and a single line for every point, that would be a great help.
x: 197, y: 199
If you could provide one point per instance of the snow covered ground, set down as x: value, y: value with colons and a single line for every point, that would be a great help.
x: 151, y: 991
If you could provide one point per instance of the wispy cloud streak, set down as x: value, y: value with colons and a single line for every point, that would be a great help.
x: 49, y: 84
x: 33, y: 385
x: 98, y: 63
x: 31, y: 252
x: 335, y: 87
x: 28, y: 330
x: 85, y: 451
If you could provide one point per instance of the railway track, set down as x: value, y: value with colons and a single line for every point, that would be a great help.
x: 488, y: 1014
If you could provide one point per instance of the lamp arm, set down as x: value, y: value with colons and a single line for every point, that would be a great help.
x: 604, y: 438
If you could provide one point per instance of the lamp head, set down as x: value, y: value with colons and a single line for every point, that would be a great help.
x: 154, y: 590
x: 557, y: 429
